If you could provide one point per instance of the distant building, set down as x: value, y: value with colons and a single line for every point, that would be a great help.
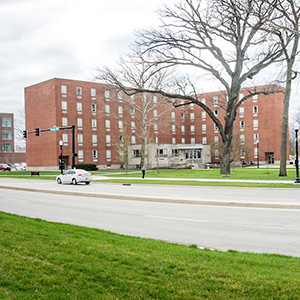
x: 7, y: 145
x: 182, y: 135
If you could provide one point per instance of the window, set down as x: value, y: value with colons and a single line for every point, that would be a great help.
x: 136, y: 153
x: 203, y: 128
x: 182, y: 140
x: 215, y: 100
x: 173, y: 115
x: 203, y: 114
x: 173, y: 128
x: 80, y: 138
x: 192, y: 116
x: 182, y: 128
x: 255, y: 138
x: 7, y: 147
x: 155, y: 127
x: 175, y: 152
x: 107, y: 108
x: 95, y: 154
x: 216, y: 113
x: 80, y: 154
x: 243, y: 152
x: 63, y: 89
x: 216, y: 128
x: 132, y: 126
x: 156, y: 140
x: 106, y: 94
x: 64, y: 105
x: 155, y: 112
x: 78, y: 90
x: 255, y: 97
x: 155, y: 99
x: 255, y: 151
x: 161, y: 152
x: 107, y: 139
x: 120, y: 110
x: 242, y: 124
x: 120, y: 95
x: 108, y: 154
x: 216, y: 154
x: 94, y: 123
x: 121, y: 154
x: 204, y: 140
x: 94, y: 138
x: 216, y: 139
x: 65, y: 137
x: 242, y: 111
x: 6, y: 122
x: 192, y: 105
x: 193, y: 141
x: 203, y: 100
x: 121, y: 139
x: 255, y: 124
x: 132, y: 111
x: 182, y: 116
x: 132, y: 98
x: 133, y: 139
x: 6, y: 134
x: 93, y: 92
x: 192, y: 128
x: 255, y: 109
x: 120, y: 124
x: 173, y: 140
x: 241, y: 96
x: 64, y: 121
x: 93, y: 107
x: 79, y: 106
x: 79, y: 122
x: 242, y: 139
x: 107, y: 124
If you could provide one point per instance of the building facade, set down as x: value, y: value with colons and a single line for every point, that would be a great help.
x: 107, y: 121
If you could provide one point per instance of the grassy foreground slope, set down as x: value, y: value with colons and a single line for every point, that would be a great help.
x: 42, y: 260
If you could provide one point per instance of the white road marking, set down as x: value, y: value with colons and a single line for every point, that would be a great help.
x: 177, y: 219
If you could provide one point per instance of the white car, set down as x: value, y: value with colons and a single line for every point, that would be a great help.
x: 20, y: 166
x: 74, y: 176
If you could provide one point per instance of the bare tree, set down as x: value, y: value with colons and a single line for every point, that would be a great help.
x: 222, y: 38
x: 287, y: 30
x: 146, y: 109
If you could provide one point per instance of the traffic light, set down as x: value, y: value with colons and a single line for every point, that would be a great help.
x: 37, y: 131
x: 25, y: 134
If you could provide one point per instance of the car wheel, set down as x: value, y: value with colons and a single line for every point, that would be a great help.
x: 87, y: 183
x: 58, y: 180
x: 74, y: 181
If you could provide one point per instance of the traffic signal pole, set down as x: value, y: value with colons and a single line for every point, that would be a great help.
x: 37, y: 132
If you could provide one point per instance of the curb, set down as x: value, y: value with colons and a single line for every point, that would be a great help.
x: 159, y: 200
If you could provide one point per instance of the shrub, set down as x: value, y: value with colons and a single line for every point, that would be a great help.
x: 87, y: 167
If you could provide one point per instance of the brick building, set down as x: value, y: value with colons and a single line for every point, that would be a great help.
x: 7, y: 144
x: 105, y: 119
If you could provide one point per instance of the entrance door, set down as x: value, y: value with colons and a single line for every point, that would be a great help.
x: 270, y: 158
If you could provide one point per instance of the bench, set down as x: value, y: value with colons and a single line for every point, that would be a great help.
x: 37, y: 173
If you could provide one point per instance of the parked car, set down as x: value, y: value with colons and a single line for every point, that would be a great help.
x: 74, y: 176
x: 5, y: 167
x: 20, y: 166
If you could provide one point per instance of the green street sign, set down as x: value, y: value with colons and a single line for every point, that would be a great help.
x: 54, y: 128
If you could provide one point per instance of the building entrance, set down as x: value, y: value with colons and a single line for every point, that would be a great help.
x: 270, y: 158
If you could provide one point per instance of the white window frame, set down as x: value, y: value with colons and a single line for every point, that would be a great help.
x: 94, y: 138
x: 94, y: 123
x: 79, y: 106
x: 80, y: 138
x: 79, y: 122
x: 78, y: 90
x: 93, y: 107
x: 65, y: 137
x: 93, y: 92
x: 108, y: 139
x: 64, y: 105
x: 63, y: 89
x: 95, y: 154
x: 64, y: 121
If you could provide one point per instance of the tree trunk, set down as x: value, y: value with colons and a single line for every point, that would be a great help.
x: 284, y: 124
x: 225, y: 164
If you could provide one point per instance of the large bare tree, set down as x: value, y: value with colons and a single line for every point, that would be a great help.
x: 287, y: 30
x: 146, y: 109
x: 223, y: 38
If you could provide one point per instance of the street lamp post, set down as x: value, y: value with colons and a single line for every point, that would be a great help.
x: 60, y: 157
x: 297, y: 179
x: 257, y: 143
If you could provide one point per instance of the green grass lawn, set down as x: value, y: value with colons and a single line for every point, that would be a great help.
x: 42, y: 260
x: 238, y: 174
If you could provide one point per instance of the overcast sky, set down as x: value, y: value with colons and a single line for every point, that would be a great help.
x: 42, y: 39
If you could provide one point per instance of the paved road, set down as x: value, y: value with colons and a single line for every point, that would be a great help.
x: 223, y: 227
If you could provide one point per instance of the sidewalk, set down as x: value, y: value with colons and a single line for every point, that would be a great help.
x: 192, y: 195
